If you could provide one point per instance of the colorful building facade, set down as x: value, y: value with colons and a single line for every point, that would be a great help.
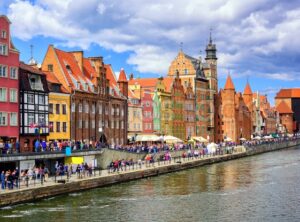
x: 98, y: 100
x: 9, y: 85
x: 59, y: 110
x: 34, y: 105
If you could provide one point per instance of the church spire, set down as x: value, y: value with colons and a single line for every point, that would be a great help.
x: 247, y: 90
x: 229, y: 84
x: 211, y: 50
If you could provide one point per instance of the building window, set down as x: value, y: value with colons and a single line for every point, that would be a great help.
x: 122, y: 112
x: 13, y: 119
x: 79, y: 123
x: 3, y: 49
x: 86, y: 124
x: 30, y: 99
x: 3, y: 34
x: 3, y: 119
x: 41, y: 100
x: 13, y: 95
x: 186, y: 71
x: 50, y: 108
x: 3, y: 94
x: 93, y: 124
x: 73, y: 107
x: 86, y: 108
x: 100, y: 108
x: 50, y: 67
x: 42, y: 119
x: 51, y: 127
x: 13, y: 73
x: 30, y: 119
x: 3, y: 71
x: 64, y: 127
x: 57, y: 109
x: 58, y: 127
x: 147, y: 103
x: 64, y: 109
x: 93, y: 108
x: 80, y: 107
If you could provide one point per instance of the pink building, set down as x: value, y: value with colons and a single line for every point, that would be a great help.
x: 9, y: 86
x: 147, y: 112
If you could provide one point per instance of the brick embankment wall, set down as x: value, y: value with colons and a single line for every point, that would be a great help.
x: 32, y: 194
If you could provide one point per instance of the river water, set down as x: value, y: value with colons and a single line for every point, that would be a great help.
x: 259, y: 188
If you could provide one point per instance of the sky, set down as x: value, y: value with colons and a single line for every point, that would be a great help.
x: 257, y: 40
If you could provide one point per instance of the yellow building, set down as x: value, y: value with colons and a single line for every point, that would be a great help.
x: 164, y: 95
x: 59, y: 110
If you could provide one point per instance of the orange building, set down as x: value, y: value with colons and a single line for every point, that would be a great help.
x: 233, y: 117
x: 291, y: 99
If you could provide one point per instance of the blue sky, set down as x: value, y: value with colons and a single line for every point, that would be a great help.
x: 257, y: 39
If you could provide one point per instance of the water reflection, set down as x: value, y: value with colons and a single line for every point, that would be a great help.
x: 259, y: 188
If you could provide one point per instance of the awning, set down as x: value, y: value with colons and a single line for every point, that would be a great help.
x: 146, y: 137
x: 199, y: 139
x: 172, y: 139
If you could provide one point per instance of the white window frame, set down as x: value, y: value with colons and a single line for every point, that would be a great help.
x: 30, y: 115
x: 3, y: 49
x: 80, y: 108
x: 73, y: 107
x: 3, y: 34
x: 3, y: 114
x: 30, y: 96
x: 5, y: 99
x: 15, y: 123
x: 13, y: 74
x: 3, y: 74
x: 14, y: 92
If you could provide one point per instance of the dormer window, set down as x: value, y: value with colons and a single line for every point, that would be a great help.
x: 3, y: 34
x: 86, y: 87
x: 77, y: 85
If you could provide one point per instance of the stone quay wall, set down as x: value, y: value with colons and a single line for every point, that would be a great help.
x: 33, y: 194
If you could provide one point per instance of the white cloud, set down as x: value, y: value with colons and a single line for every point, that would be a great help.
x: 246, y: 32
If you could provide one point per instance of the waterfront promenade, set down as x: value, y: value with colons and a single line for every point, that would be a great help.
x: 139, y: 170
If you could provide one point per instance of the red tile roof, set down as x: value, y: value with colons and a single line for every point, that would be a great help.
x: 110, y: 75
x: 31, y: 68
x: 288, y: 93
x: 229, y: 84
x: 72, y: 71
x: 122, y: 76
x: 247, y: 90
x: 145, y: 82
x: 51, y: 77
x: 89, y: 71
x: 168, y: 82
x: 283, y: 108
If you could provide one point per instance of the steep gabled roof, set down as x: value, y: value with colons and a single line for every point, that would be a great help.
x: 168, y: 82
x: 229, y: 84
x: 283, y: 108
x: 113, y: 85
x: 247, y: 90
x: 288, y: 93
x: 122, y: 76
x: 72, y: 71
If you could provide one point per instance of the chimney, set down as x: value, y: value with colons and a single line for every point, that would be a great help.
x: 131, y: 76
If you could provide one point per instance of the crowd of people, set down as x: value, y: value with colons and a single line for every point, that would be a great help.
x: 51, y: 146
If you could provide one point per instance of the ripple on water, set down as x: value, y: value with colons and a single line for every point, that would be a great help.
x: 13, y: 216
